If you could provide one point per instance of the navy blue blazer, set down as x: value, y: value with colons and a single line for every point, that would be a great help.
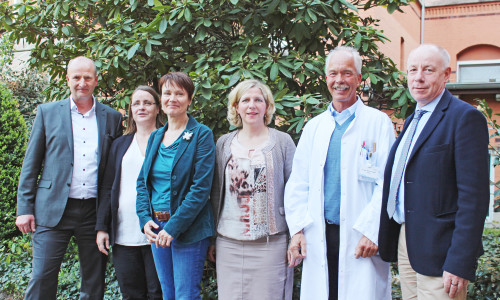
x: 191, y: 180
x: 109, y: 194
x: 446, y: 193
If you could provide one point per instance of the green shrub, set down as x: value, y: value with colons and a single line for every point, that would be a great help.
x: 487, y: 284
x: 12, y: 148
x: 26, y: 87
x: 15, y: 270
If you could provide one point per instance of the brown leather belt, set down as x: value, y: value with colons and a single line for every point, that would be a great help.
x: 161, y: 215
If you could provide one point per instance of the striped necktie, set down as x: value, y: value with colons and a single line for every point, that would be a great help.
x: 396, y: 178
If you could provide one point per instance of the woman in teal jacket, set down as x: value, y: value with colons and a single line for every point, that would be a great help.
x: 173, y: 188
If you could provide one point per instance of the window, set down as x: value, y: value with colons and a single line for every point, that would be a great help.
x: 478, y: 71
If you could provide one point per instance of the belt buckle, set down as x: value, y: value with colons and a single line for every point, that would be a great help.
x: 162, y: 215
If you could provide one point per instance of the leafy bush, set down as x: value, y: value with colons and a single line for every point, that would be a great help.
x: 15, y: 270
x: 12, y: 148
x: 218, y: 42
x: 487, y: 284
x: 26, y: 87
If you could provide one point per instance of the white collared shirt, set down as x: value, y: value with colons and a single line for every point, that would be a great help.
x: 85, y: 143
x: 399, y: 215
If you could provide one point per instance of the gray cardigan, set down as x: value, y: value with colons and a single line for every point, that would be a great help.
x: 278, y: 157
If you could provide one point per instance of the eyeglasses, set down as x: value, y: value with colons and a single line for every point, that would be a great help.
x: 145, y: 103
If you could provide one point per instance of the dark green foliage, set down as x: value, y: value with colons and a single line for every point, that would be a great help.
x: 12, y: 147
x: 487, y: 284
x: 26, y: 87
x: 15, y: 270
x: 218, y: 42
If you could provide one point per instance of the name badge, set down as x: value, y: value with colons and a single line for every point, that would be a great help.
x: 368, y: 171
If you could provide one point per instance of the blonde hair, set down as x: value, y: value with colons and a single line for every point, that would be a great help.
x: 234, y: 98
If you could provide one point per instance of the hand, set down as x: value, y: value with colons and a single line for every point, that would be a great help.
x: 102, y: 241
x: 365, y: 248
x: 211, y: 253
x: 26, y: 223
x: 453, y: 284
x: 297, y: 249
x: 148, y: 231
x: 163, y: 239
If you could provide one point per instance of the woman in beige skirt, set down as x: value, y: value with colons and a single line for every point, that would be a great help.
x: 253, y: 164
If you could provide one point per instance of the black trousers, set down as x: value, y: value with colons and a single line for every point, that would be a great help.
x: 136, y: 272
x: 332, y: 256
x: 49, y: 247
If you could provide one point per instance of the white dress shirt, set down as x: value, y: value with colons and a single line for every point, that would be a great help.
x: 85, y: 143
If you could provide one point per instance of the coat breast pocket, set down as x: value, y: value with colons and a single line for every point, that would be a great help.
x: 437, y: 148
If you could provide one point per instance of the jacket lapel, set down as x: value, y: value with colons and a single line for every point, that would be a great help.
x: 155, y: 145
x: 183, y: 144
x: 65, y: 113
x: 434, y: 120
x: 101, y: 117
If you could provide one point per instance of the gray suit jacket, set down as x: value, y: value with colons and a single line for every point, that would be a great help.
x: 48, y: 164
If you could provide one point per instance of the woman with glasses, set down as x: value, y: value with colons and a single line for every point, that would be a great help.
x: 117, y: 221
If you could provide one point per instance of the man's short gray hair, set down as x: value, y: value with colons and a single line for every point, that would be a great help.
x: 345, y: 49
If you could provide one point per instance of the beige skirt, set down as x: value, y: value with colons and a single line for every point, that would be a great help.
x: 249, y: 270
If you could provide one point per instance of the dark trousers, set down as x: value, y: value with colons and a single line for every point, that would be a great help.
x: 332, y: 256
x: 49, y: 247
x: 136, y: 272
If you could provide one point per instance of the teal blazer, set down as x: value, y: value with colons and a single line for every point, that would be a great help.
x: 192, y: 173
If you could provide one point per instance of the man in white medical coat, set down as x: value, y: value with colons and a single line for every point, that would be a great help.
x: 333, y: 196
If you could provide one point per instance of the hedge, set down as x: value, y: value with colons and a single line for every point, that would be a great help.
x: 15, y: 267
x: 12, y: 147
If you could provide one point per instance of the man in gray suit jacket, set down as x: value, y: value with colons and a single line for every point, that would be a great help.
x: 58, y: 187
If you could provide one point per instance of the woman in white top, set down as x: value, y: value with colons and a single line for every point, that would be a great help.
x: 117, y: 221
x: 253, y: 164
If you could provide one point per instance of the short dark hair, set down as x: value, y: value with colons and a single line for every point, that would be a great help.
x: 131, y: 126
x: 180, y: 79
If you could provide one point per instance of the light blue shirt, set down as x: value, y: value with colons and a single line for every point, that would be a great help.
x: 399, y: 215
x: 341, y: 117
x: 332, y: 164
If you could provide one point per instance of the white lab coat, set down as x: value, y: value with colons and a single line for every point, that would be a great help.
x: 363, y: 278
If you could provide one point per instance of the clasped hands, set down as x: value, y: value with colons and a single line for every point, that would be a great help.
x: 162, y: 239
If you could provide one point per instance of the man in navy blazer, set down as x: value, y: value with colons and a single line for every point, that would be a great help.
x: 62, y: 169
x: 435, y: 198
